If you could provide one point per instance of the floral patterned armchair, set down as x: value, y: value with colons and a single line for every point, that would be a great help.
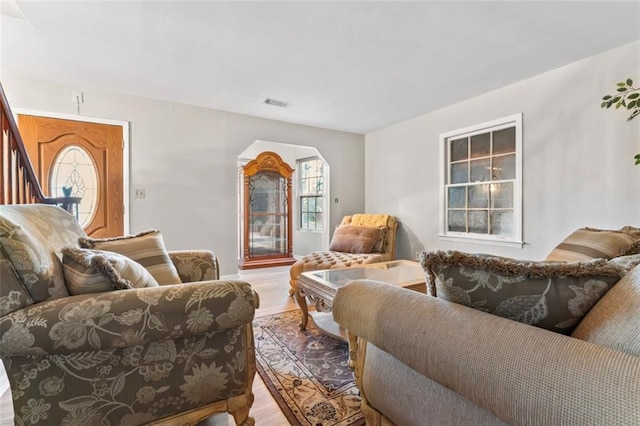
x: 173, y: 354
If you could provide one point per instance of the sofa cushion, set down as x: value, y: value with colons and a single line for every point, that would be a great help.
x: 94, y: 271
x: 551, y: 295
x: 13, y: 295
x: 590, y: 243
x: 355, y: 239
x: 614, y: 321
x: 147, y: 248
x: 320, y: 260
x: 32, y: 238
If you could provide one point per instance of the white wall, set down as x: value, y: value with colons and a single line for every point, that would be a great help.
x: 577, y: 158
x: 187, y: 157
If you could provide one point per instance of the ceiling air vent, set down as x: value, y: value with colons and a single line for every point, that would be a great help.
x: 275, y: 102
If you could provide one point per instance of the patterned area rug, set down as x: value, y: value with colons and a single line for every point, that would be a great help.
x: 306, y: 372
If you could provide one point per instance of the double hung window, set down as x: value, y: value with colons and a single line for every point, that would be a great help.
x: 311, y: 193
x: 482, y: 181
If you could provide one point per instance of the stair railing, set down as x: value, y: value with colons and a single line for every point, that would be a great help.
x: 18, y: 181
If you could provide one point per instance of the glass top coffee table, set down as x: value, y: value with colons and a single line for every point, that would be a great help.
x: 320, y: 287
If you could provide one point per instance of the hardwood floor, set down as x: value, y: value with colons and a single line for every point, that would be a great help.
x: 272, y: 285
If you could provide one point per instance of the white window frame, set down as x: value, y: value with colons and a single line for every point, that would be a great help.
x: 320, y: 197
x: 494, y: 125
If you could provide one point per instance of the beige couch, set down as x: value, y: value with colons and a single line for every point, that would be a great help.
x: 426, y: 361
x: 423, y: 360
x: 319, y: 260
x: 169, y: 354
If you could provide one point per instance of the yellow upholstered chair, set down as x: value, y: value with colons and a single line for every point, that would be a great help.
x: 340, y: 259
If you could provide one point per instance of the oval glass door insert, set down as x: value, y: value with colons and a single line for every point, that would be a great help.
x: 74, y: 168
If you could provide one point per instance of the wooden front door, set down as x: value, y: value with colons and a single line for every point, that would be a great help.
x: 83, y: 156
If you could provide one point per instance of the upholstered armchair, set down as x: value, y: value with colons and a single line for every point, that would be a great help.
x: 346, y: 248
x: 162, y: 354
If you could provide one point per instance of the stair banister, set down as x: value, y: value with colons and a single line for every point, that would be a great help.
x: 18, y: 181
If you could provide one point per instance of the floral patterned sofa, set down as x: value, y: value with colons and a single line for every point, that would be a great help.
x: 168, y: 354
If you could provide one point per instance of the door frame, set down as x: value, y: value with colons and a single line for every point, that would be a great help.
x: 125, y: 153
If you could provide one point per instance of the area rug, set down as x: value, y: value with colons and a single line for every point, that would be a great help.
x: 306, y: 372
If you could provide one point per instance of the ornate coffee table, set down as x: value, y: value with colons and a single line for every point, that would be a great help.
x: 320, y: 287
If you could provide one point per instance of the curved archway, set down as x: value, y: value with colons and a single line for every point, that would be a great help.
x: 304, y: 241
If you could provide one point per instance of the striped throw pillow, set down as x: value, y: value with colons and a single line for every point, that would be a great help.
x: 93, y: 271
x: 146, y: 248
x: 589, y: 243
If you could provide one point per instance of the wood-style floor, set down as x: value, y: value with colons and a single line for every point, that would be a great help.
x: 272, y: 284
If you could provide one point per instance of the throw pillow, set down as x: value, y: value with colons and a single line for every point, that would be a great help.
x: 93, y: 271
x: 31, y: 237
x: 354, y: 239
x: 382, y: 241
x: 590, y: 243
x: 146, y: 248
x: 551, y: 295
x: 367, y: 219
x: 614, y: 321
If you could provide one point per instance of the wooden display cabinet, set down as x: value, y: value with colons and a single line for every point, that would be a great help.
x: 266, y: 213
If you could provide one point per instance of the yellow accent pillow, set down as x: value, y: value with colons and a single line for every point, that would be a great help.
x: 361, y: 219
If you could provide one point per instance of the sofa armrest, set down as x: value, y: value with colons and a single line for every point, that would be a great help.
x: 195, y: 265
x: 126, y: 318
x: 522, y: 374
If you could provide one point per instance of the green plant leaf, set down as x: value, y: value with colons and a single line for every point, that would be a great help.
x: 620, y: 84
x: 616, y: 99
x: 606, y: 98
x: 622, y: 89
x: 629, y: 82
x: 633, y: 95
x: 631, y: 104
x: 603, y: 105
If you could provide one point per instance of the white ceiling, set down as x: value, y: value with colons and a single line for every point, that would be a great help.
x: 352, y: 66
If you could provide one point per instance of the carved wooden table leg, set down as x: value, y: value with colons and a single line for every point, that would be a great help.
x: 353, y: 348
x: 302, y: 302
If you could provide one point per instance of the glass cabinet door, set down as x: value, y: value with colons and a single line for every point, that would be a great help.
x: 266, y: 239
x: 268, y: 214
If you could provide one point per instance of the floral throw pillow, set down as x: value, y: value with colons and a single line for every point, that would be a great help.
x: 550, y: 295
x: 93, y: 271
